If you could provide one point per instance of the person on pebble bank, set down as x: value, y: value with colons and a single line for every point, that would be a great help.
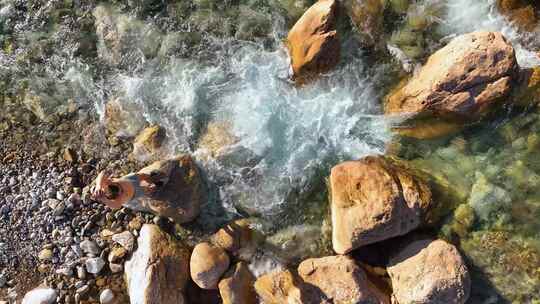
x: 125, y: 191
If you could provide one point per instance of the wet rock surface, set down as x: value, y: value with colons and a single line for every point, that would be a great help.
x: 373, y: 199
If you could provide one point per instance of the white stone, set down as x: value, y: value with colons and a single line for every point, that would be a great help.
x: 106, y: 297
x: 94, y: 265
x: 125, y: 239
x: 40, y: 296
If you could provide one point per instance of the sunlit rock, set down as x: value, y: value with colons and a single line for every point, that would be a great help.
x: 340, y: 279
x: 236, y: 286
x: 158, y: 271
x: 279, y: 287
x: 208, y: 263
x: 464, y: 80
x: 40, y: 296
x: 148, y: 143
x: 313, y: 41
x: 181, y: 194
x: 373, y: 199
x: 426, y: 272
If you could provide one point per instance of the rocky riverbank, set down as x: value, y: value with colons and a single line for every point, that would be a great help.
x: 314, y: 151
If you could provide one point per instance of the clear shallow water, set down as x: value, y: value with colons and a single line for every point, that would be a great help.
x: 286, y: 138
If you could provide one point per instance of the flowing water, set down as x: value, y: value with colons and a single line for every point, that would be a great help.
x: 197, y: 67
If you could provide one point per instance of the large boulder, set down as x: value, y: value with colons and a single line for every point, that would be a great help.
x: 313, y: 41
x: 431, y: 272
x: 236, y: 287
x: 338, y: 280
x: 158, y: 271
x: 464, y: 80
x: 374, y: 199
x: 278, y: 287
x: 182, y: 192
x: 207, y: 265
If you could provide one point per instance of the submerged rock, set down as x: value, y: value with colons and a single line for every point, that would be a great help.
x: 181, y: 194
x: 123, y: 118
x: 236, y: 287
x: 372, y: 200
x: 487, y: 199
x: 463, y: 80
x: 337, y: 279
x: 147, y: 144
x: 367, y: 15
x: 522, y: 13
x: 158, y: 271
x: 429, y: 272
x: 208, y: 263
x: 122, y: 39
x: 313, y: 41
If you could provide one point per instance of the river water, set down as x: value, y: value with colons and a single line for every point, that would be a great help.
x: 200, y: 65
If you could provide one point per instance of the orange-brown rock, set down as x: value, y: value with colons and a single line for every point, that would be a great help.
x: 148, y: 142
x: 528, y: 93
x: 208, y: 263
x: 158, y: 271
x: 374, y: 199
x: 237, y: 238
x: 181, y: 194
x: 313, y: 41
x: 465, y: 79
x: 520, y: 12
x: 337, y: 279
x: 429, y: 271
x: 236, y: 287
x: 278, y: 287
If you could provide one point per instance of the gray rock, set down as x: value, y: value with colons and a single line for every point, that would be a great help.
x: 125, y: 239
x: 106, y: 297
x: 116, y: 268
x: 90, y: 247
x: 94, y: 265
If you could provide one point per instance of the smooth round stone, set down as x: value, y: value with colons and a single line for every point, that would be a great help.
x: 94, y: 265
x: 106, y: 297
x: 40, y: 296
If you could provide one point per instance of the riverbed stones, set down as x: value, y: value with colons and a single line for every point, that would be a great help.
x: 180, y: 192
x: 94, y: 265
x: 521, y: 13
x: 236, y: 287
x: 374, y: 199
x: 40, y: 296
x: 429, y: 271
x: 106, y: 297
x: 339, y: 279
x: 90, y: 247
x: 208, y: 263
x: 463, y: 80
x: 125, y: 239
x: 313, y: 41
x: 158, y: 270
x: 279, y: 286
